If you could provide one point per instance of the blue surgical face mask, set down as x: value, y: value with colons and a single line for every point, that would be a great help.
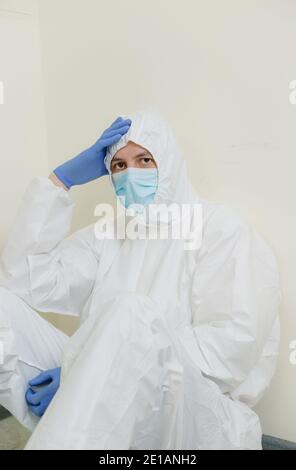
x: 136, y: 185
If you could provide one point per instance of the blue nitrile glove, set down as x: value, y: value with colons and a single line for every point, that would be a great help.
x: 48, y: 382
x: 89, y: 164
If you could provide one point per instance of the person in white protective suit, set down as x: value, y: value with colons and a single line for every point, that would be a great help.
x: 175, y: 346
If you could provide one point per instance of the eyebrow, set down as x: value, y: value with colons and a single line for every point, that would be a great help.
x: 144, y: 152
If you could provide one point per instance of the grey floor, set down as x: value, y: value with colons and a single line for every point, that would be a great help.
x: 13, y: 436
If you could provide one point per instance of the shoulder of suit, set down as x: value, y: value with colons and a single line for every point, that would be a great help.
x: 223, y: 220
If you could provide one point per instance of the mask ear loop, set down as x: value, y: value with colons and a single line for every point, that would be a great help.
x: 111, y: 181
x: 159, y: 179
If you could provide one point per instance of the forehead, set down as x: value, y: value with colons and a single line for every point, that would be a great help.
x: 131, y: 149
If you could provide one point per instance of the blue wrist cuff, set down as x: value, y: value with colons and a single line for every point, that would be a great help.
x: 62, y: 178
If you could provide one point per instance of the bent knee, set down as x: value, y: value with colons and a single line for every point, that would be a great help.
x: 137, y: 308
x: 13, y: 307
x: 7, y: 296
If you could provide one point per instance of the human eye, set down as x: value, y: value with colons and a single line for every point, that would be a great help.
x: 119, y: 166
x: 146, y: 160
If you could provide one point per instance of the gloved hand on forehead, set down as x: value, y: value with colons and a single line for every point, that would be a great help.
x: 89, y: 164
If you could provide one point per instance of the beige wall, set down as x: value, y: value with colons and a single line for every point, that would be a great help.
x: 220, y: 72
x: 23, y: 140
x: 22, y: 123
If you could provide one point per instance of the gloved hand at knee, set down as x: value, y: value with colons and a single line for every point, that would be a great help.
x: 48, y: 382
x: 89, y: 164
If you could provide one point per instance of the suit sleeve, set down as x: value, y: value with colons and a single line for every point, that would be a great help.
x: 236, y: 295
x: 49, y: 269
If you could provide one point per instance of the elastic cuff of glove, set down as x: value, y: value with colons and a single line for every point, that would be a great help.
x: 62, y: 178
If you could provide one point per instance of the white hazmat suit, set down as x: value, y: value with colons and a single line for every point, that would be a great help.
x: 175, y: 346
